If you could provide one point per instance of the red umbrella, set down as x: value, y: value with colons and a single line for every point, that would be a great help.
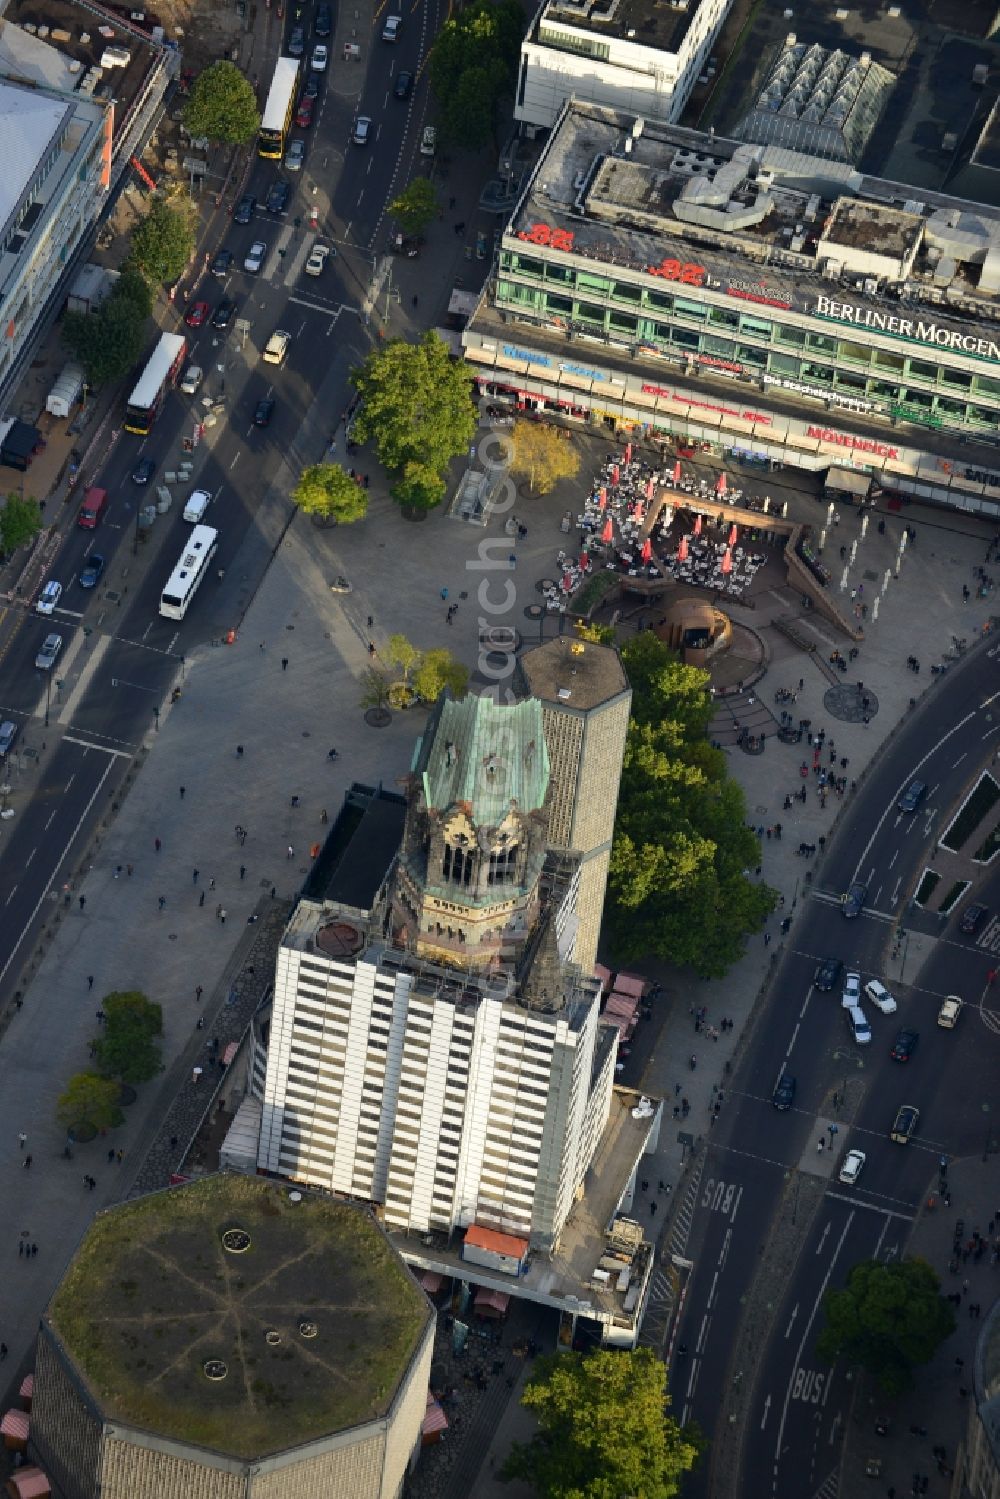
x: 682, y: 550
x: 602, y: 498
x: 614, y: 474
x: 733, y: 533
x: 720, y: 484
x: 649, y: 487
x: 677, y: 472
x: 697, y: 525
x: 647, y: 550
x: 608, y: 531
x: 638, y: 514
x: 567, y: 582
x: 584, y: 560
x: 727, y: 561
x: 628, y: 452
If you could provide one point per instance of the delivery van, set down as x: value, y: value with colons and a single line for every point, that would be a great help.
x: 95, y: 502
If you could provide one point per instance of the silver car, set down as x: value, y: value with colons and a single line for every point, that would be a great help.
x: 51, y: 646
x: 295, y: 155
x: 254, y: 258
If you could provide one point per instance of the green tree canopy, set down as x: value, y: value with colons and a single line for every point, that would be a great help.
x: 110, y: 340
x: 417, y: 409
x: 888, y: 1318
x: 416, y: 206
x: 132, y: 290
x: 603, y: 1429
x: 89, y: 1102
x: 222, y: 107
x: 328, y: 491
x: 678, y: 884
x: 375, y: 687
x: 163, y: 243
x: 401, y: 652
x: 438, y: 669
x: 20, y: 520
x: 543, y: 456
x: 129, y: 1049
x: 474, y: 62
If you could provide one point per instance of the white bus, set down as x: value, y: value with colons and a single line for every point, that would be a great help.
x: 160, y: 373
x: 196, y: 558
x: 277, y: 116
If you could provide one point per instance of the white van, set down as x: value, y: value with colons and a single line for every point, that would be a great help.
x: 277, y: 347
x: 198, y: 502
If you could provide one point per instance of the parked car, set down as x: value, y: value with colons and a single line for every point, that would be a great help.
x: 827, y: 973
x: 318, y: 256
x: 972, y: 919
x: 8, y: 733
x: 193, y: 377
x: 324, y: 21
x: 853, y: 901
x: 92, y: 571
x: 296, y: 41
x: 295, y: 155
x: 784, y: 1092
x: 852, y: 1167
x: 304, y: 113
x: 222, y: 262
x: 912, y: 796
x: 265, y: 410
x: 48, y: 651
x: 320, y: 58
x: 196, y: 314
x: 245, y: 209
x: 905, y: 1124
x: 49, y: 597
x: 277, y: 197
x: 254, y: 258
x: 144, y: 471
x: 362, y: 130
x: 880, y: 997
x: 403, y: 87
x: 904, y: 1045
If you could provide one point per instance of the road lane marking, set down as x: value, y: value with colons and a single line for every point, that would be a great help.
x: 791, y: 1322
x: 872, y: 1207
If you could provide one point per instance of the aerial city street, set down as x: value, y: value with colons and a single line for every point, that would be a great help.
x: 499, y: 720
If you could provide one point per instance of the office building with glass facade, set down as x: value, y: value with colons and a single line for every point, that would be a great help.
x: 782, y: 306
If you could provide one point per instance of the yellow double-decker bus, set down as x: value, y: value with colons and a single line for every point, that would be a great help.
x: 278, y: 109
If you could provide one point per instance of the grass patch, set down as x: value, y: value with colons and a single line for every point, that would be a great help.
x: 929, y: 882
x: 594, y: 591
x: 954, y: 895
x: 980, y: 801
x: 989, y: 847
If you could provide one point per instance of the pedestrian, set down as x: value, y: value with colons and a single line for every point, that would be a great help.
x: 291, y: 852
x: 26, y: 1163
x: 767, y: 938
x: 90, y: 985
x: 199, y: 991
x: 211, y: 883
x: 371, y: 649
x: 295, y: 801
x: 200, y: 1026
x: 194, y: 876
x: 182, y: 791
x: 222, y: 916
x: 83, y: 901
x: 284, y: 663
x: 22, y: 1139
x: 820, y: 1147
x: 274, y: 892
x: 371, y: 621
x: 324, y: 816
x: 201, y: 899
x: 121, y: 1156
x: 163, y: 901
x: 239, y: 752
x: 34, y: 1250
x: 111, y: 1156
x: 118, y: 871
x: 128, y: 870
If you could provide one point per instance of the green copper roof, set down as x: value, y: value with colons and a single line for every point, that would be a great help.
x: 489, y: 755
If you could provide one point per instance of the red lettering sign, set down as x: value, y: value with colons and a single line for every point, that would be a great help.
x: 679, y: 396
x: 848, y: 440
x: 541, y: 234
x: 679, y: 270
x: 759, y: 297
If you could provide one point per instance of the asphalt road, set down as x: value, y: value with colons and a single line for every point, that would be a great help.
x: 798, y: 1405
x: 83, y: 722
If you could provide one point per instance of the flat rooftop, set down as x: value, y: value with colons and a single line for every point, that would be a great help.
x: 227, y: 1314
x: 565, y: 1280
x: 359, y: 849
x: 572, y: 673
x: 657, y: 24
x: 664, y: 201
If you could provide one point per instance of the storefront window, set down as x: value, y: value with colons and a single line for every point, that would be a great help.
x: 690, y: 310
x: 683, y: 338
x: 587, y: 312
x: 822, y: 374
x: 747, y: 354
x: 561, y: 306
x: 527, y: 267
x: 793, y: 337
x: 783, y: 364
x: 622, y: 322
x: 659, y: 299
x: 756, y: 328
x: 884, y: 361
x: 821, y: 343
x: 625, y: 291
x: 854, y: 353
x: 921, y: 370
x: 722, y: 319
x: 957, y: 379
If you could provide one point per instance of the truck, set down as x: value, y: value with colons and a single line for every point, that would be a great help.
x: 66, y: 392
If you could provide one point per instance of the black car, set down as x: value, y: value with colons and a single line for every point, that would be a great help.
x: 90, y: 572
x: 144, y: 471
x: 296, y: 41
x: 403, y: 86
x: 245, y: 209
x: 264, y: 411
x: 324, y: 21
x: 277, y: 197
x: 853, y: 903
x: 827, y: 973
x: 223, y: 314
x: 904, y: 1045
x: 312, y: 84
x: 784, y: 1092
x: 972, y: 919
x: 912, y: 796
x: 220, y: 265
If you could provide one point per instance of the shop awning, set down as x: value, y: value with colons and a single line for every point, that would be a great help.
x: 491, y: 1303
x: 435, y: 1420
x: 849, y: 480
x: 229, y: 1053
x: 27, y: 1387
x: 622, y: 1004
x: 29, y: 1483
x: 604, y: 974
x: 16, y: 1424
x: 630, y: 983
x: 431, y: 1281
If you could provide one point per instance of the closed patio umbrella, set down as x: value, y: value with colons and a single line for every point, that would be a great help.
x: 647, y: 550
x: 682, y: 550
x: 608, y: 531
x: 697, y: 525
x: 720, y: 484
x: 727, y: 561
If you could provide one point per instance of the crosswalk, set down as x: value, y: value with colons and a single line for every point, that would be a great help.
x: 989, y: 940
x: 665, y: 1283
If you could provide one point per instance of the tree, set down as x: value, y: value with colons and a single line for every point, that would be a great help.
x: 109, y: 341
x: 403, y: 653
x: 132, y: 290
x: 888, y: 1319
x: 129, y: 1049
x: 543, y: 455
x: 89, y: 1103
x: 416, y: 406
x: 375, y: 692
x: 678, y: 882
x: 20, y: 520
x: 436, y: 670
x: 473, y: 63
x: 327, y: 491
x: 163, y: 243
x: 603, y: 1429
x: 222, y: 106
x: 596, y: 634
x: 416, y: 206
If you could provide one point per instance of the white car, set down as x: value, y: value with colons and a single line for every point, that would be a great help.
x: 320, y: 57
x: 193, y: 377
x: 254, y: 258
x: 854, y: 1164
x: 318, y: 256
x: 362, y: 130
x: 852, y: 990
x: 880, y: 997
x: 50, y: 648
x: 857, y: 1024
x: 49, y: 597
